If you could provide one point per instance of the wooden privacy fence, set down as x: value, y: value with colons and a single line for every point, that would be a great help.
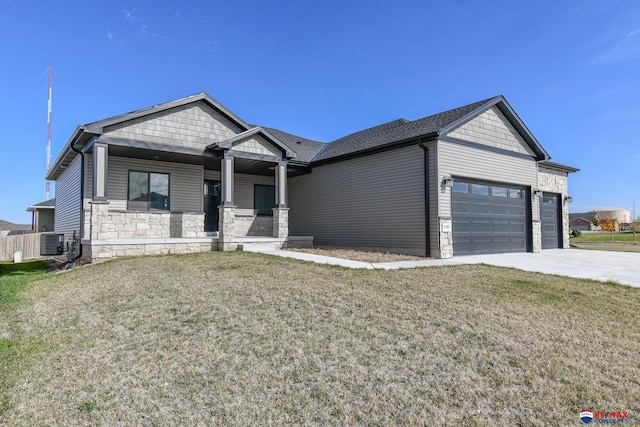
x: 29, y: 244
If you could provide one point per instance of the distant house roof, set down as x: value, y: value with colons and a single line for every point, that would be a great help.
x: 6, y: 225
x: 587, y: 216
x: 47, y: 204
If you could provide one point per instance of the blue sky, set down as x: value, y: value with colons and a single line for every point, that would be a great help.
x: 570, y: 69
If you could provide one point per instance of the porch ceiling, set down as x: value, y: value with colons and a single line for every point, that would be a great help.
x: 209, y: 159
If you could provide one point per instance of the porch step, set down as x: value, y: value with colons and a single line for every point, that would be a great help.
x: 258, y: 247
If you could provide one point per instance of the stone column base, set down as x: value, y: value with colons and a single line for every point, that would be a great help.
x: 537, y: 236
x: 227, y: 227
x: 281, y: 223
x: 445, y: 229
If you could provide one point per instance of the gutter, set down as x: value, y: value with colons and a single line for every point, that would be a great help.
x: 71, y: 146
x: 427, y: 240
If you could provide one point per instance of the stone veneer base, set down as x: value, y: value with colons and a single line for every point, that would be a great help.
x: 102, y: 250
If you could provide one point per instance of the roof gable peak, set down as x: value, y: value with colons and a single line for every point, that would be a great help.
x: 98, y: 126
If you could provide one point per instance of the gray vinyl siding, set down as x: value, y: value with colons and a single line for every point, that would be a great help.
x: 67, y: 213
x: 475, y: 163
x: 434, y: 188
x: 244, y: 185
x: 376, y: 201
x: 185, y: 182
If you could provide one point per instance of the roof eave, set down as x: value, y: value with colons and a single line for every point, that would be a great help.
x: 79, y: 134
x: 143, y: 112
x: 379, y: 148
x: 558, y: 166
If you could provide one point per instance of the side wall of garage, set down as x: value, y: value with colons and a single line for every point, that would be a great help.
x: 374, y: 202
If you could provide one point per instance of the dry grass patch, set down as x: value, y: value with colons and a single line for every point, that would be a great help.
x: 359, y: 254
x: 249, y: 339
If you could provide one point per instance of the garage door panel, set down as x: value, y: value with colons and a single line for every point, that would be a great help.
x: 462, y: 206
x: 518, y: 211
x: 500, y: 210
x: 485, y: 221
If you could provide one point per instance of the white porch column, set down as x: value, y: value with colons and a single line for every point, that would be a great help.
x: 281, y: 211
x: 100, y: 156
x: 226, y: 174
x: 281, y: 185
x: 227, y: 209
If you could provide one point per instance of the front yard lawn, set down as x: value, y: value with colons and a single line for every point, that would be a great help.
x: 248, y: 339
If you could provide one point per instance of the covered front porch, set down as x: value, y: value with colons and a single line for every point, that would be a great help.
x: 240, y: 197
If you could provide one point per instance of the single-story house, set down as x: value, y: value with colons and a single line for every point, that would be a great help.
x: 191, y: 175
x: 42, y: 215
x: 582, y: 221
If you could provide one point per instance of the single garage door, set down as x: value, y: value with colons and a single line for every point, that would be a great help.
x: 488, y: 218
x: 550, y: 220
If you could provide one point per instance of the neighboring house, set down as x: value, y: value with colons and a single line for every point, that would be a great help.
x: 582, y: 221
x: 190, y: 175
x: 42, y: 215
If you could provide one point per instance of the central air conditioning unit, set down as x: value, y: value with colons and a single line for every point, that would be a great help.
x: 51, y: 244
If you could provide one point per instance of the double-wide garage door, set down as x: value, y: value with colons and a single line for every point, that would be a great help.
x: 488, y: 218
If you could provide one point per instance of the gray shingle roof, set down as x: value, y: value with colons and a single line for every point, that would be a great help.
x: 304, y: 148
x: 395, y: 131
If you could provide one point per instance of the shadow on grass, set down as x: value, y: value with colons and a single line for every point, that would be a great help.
x: 13, y: 277
x: 11, y: 268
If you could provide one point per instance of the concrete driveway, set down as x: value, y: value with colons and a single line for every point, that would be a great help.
x: 622, y: 267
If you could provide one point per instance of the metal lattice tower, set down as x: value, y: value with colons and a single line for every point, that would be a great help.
x: 48, y: 183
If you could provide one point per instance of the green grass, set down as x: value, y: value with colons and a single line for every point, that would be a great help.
x: 604, y: 236
x: 13, y: 351
x: 623, y: 241
x: 248, y: 339
x: 13, y: 277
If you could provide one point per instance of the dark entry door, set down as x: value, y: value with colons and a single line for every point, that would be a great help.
x: 550, y: 221
x: 211, y: 203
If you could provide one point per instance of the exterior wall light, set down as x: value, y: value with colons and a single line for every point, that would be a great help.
x: 568, y: 199
x: 537, y: 193
x: 447, y: 181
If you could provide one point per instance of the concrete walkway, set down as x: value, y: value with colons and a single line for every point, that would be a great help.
x: 621, y: 267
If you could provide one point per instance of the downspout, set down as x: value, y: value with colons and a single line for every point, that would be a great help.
x: 427, y: 240
x: 80, y: 232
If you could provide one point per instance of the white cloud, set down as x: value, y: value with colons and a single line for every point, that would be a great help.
x: 624, y: 48
x: 633, y: 33
x: 128, y: 14
x: 214, y: 45
x: 110, y: 35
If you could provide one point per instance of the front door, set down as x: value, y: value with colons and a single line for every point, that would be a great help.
x: 211, y: 203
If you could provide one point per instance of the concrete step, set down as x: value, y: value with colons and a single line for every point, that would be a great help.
x: 258, y: 247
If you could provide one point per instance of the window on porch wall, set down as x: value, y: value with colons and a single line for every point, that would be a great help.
x: 148, y: 191
x: 264, y: 199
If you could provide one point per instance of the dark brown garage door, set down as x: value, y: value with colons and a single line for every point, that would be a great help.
x: 488, y: 218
